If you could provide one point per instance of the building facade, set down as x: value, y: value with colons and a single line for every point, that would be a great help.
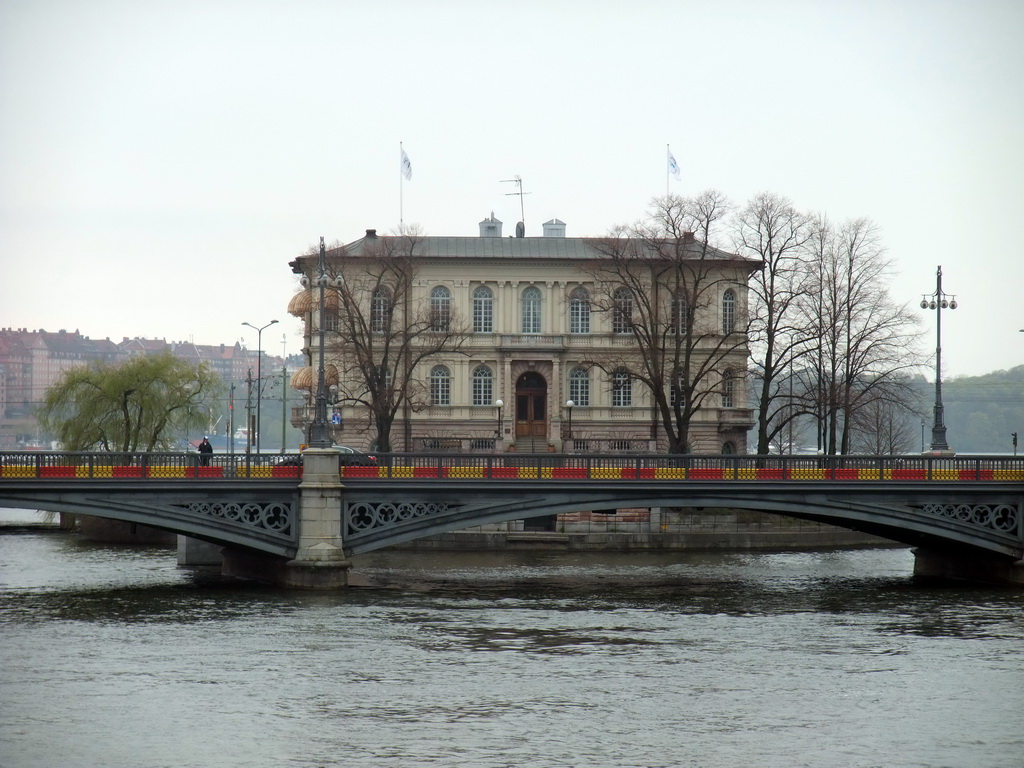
x: 524, y: 344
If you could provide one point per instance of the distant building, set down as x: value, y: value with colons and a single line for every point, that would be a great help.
x: 529, y: 308
x: 32, y: 361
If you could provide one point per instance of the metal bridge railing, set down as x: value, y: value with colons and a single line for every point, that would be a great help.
x: 509, y: 466
x: 138, y: 466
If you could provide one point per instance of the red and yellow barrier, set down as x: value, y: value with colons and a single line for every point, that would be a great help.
x: 482, y: 471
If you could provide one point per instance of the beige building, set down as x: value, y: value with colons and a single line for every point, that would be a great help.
x: 522, y: 344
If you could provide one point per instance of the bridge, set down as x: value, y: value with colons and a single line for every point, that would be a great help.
x: 295, y: 520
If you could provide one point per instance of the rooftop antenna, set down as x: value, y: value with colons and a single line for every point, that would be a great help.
x: 518, y: 181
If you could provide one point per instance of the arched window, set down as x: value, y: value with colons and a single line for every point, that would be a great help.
x: 483, y: 385
x: 728, y: 448
x: 622, y: 389
x: 728, y: 312
x: 622, y: 310
x: 579, y: 311
x: 440, y: 309
x: 579, y: 387
x: 531, y: 299
x: 483, y: 310
x: 380, y: 311
x: 728, y: 388
x: 678, y: 319
x: 440, y: 385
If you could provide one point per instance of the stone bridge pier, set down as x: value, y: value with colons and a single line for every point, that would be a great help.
x: 939, y: 565
x: 320, y: 561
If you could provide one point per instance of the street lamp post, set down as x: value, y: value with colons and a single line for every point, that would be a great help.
x: 319, y: 434
x: 938, y: 301
x: 259, y: 374
x: 499, y: 404
x: 569, y: 404
x: 231, y: 419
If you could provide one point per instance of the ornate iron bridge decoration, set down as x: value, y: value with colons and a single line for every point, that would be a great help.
x: 365, y: 516
x: 274, y: 517
x: 1004, y: 518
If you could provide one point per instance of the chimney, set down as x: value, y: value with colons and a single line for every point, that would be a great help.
x: 490, y: 227
x: 371, y: 233
x: 688, y: 237
x: 554, y: 228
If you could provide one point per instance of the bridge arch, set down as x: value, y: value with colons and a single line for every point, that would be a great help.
x: 314, y: 513
x: 263, y: 522
x: 930, y: 520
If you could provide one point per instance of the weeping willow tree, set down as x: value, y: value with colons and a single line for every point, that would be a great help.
x: 140, y: 405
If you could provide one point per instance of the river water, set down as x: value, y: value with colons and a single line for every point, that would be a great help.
x: 115, y: 657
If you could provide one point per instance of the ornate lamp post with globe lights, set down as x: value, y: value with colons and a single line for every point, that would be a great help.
x: 938, y: 301
x: 319, y: 432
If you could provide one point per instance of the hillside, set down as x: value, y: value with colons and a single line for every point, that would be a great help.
x: 981, y: 412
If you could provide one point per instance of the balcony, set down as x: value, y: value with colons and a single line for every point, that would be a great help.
x: 735, y: 418
x: 531, y: 341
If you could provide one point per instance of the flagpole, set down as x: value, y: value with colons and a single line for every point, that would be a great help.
x: 401, y: 188
x: 668, y: 154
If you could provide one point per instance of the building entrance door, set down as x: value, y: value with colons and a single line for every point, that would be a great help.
x: 531, y: 405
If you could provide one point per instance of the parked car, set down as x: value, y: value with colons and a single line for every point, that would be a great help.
x: 348, y: 457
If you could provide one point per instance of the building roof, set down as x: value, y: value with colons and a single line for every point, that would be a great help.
x: 499, y: 248
x: 140, y: 345
x: 61, y: 344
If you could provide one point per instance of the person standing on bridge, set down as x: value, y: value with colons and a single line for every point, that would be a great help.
x: 205, y: 451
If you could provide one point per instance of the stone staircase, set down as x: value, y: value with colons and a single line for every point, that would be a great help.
x: 531, y: 445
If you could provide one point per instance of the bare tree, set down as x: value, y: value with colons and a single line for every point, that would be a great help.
x: 885, y: 426
x: 379, y: 330
x: 772, y: 230
x: 864, y: 340
x: 662, y: 282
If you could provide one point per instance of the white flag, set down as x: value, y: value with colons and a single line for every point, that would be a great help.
x: 406, y: 166
x: 673, y: 167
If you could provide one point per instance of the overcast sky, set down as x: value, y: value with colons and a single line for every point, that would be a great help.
x: 161, y: 162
